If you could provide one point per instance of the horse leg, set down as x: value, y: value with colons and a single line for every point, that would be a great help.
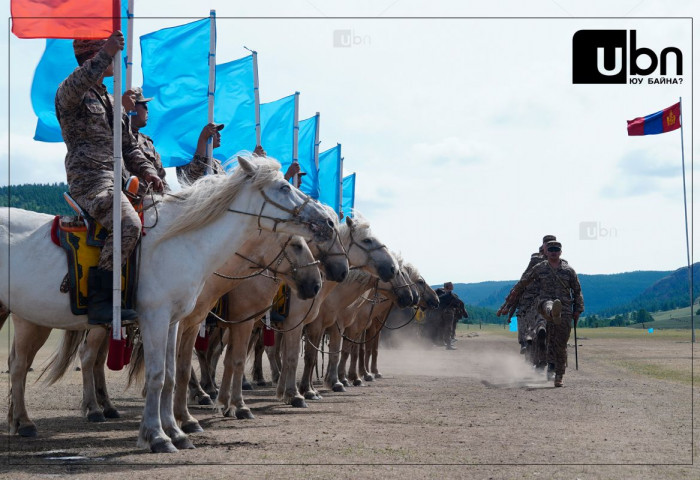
x: 287, y: 386
x: 100, y: 382
x: 167, y: 417
x: 212, y: 360
x: 154, y: 334
x: 314, y: 333
x: 331, y: 377
x: 234, y: 366
x: 353, y: 353
x: 183, y: 375
x: 88, y: 351
x: 28, y: 339
x: 257, y: 346
x: 274, y: 356
x: 377, y: 332
x: 196, y: 392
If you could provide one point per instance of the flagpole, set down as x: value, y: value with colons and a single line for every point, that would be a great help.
x: 256, y: 91
x: 129, y: 43
x: 687, y: 239
x: 117, y: 201
x: 212, y: 84
x: 317, y: 145
x: 295, y: 138
x: 340, y: 187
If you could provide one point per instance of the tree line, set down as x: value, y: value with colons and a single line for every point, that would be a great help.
x: 40, y: 197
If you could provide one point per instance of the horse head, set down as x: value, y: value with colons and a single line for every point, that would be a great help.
x: 427, y: 296
x: 398, y: 289
x: 301, y: 270
x: 332, y: 254
x: 366, y: 251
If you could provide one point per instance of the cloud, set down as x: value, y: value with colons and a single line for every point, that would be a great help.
x: 31, y: 161
x: 447, y: 152
x: 644, y: 172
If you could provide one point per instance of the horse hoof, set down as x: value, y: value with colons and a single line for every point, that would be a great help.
x: 192, y: 427
x: 262, y: 383
x: 368, y: 378
x: 183, y: 444
x: 377, y: 375
x: 111, y: 413
x: 246, y: 386
x: 345, y: 383
x: 298, y: 402
x: 338, y: 387
x: 28, y: 431
x: 357, y: 382
x: 244, y: 414
x: 205, y: 401
x: 213, y: 394
x: 309, y: 395
x: 96, y: 417
x: 165, y: 446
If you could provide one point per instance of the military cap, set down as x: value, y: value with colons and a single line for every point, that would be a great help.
x: 83, y: 47
x: 548, y: 238
x: 553, y: 243
x: 138, y: 94
x: 447, y: 284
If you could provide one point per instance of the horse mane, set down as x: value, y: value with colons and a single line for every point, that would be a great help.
x: 210, y: 196
x: 358, y: 275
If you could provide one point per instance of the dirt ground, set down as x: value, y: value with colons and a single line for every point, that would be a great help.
x: 475, y: 412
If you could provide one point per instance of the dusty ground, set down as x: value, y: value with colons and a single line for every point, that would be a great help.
x: 476, y: 412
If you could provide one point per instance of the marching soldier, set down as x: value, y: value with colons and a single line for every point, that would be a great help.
x: 559, y: 301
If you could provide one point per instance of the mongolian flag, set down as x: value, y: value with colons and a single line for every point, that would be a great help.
x: 664, y: 121
x: 65, y: 18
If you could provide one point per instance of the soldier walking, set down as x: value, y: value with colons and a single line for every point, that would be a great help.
x: 559, y: 301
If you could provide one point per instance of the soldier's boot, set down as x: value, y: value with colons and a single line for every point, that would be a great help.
x: 559, y: 380
x: 523, y: 348
x: 450, y: 347
x: 550, y: 371
x: 100, y: 299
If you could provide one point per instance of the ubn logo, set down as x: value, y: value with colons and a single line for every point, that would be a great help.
x: 600, y: 56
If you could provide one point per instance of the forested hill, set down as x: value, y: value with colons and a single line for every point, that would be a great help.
x: 44, y: 198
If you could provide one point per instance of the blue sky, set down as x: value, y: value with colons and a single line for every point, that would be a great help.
x: 469, y: 140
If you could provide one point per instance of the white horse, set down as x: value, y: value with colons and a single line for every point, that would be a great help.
x: 193, y: 233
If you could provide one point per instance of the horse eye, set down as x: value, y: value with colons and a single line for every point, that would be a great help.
x: 286, y: 188
x: 367, y: 241
x: 421, y: 282
x: 297, y: 247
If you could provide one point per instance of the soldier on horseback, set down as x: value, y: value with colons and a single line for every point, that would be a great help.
x: 84, y: 110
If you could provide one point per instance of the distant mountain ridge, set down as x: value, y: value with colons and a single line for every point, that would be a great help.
x: 604, y: 295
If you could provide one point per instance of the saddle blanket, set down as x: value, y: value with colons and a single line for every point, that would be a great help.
x: 83, y: 245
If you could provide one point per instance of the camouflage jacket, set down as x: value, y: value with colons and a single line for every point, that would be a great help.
x: 196, y: 169
x: 145, y: 143
x: 551, y: 283
x: 84, y: 110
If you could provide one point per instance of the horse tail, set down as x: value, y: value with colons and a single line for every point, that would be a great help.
x: 137, y: 367
x: 63, y: 358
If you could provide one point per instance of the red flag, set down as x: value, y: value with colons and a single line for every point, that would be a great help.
x: 65, y: 18
x: 666, y: 120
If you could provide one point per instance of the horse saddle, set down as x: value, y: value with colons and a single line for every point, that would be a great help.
x: 280, y: 304
x: 83, y: 238
x: 220, y: 310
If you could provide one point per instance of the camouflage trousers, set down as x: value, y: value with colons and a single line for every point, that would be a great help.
x: 99, y: 207
x: 557, y: 336
x: 447, y: 325
x: 525, y: 317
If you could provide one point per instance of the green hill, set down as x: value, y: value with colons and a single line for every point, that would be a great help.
x: 43, y: 198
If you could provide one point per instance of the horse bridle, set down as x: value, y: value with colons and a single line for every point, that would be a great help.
x: 325, y: 254
x: 368, y: 251
x: 295, y: 212
x: 282, y: 255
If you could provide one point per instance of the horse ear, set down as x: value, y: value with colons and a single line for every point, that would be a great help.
x: 247, y: 166
x: 349, y: 221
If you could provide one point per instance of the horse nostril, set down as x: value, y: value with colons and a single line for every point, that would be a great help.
x: 317, y: 287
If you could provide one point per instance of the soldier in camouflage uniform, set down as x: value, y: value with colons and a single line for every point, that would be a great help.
x: 526, y: 312
x: 559, y: 301
x: 197, y: 168
x: 84, y: 110
x: 144, y: 142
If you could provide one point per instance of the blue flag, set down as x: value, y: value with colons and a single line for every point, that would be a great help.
x: 234, y: 106
x: 175, y: 65
x: 307, y: 161
x: 348, y: 194
x: 57, y: 62
x: 277, y: 129
x: 329, y: 177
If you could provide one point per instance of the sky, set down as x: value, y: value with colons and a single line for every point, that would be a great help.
x: 468, y: 136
